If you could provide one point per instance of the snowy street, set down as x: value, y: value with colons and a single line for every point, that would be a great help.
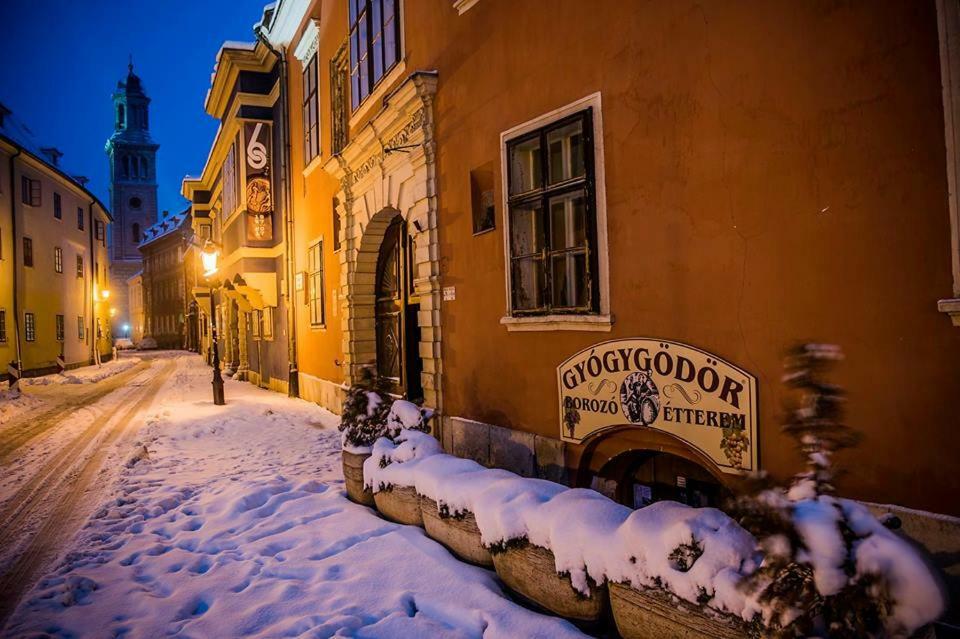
x: 152, y: 512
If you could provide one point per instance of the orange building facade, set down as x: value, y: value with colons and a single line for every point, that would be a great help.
x: 589, y: 249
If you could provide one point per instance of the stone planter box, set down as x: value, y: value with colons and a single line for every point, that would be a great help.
x: 531, y: 572
x: 400, y: 504
x: 353, y: 478
x: 640, y: 614
x: 459, y: 534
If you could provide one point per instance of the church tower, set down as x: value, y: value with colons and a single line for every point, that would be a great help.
x: 133, y: 188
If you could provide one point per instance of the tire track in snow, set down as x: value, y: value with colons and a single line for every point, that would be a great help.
x: 17, y: 508
x: 64, y: 495
x: 20, y: 432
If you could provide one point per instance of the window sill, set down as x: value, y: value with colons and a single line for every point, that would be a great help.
x: 318, y: 327
x: 376, y: 96
x: 312, y: 166
x: 596, y: 323
x: 952, y: 308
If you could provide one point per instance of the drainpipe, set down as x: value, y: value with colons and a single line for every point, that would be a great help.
x: 293, y: 379
x: 16, y: 300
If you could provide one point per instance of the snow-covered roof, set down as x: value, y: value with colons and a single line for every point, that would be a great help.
x: 16, y: 132
x: 165, y: 227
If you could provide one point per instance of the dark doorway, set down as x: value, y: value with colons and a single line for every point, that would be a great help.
x: 640, y: 477
x: 396, y: 310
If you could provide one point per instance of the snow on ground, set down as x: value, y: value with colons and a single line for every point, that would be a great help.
x: 86, y: 374
x: 232, y: 522
x: 16, y: 404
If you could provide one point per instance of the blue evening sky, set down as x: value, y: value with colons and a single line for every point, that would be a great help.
x: 62, y: 60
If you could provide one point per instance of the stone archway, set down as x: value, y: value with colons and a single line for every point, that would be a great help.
x: 388, y: 170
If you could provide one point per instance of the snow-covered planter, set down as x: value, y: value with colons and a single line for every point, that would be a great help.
x: 458, y: 532
x: 652, y: 612
x: 364, y: 419
x: 353, y: 477
x: 675, y: 571
x: 542, y: 536
x: 389, y: 473
x: 530, y: 571
x: 447, y: 486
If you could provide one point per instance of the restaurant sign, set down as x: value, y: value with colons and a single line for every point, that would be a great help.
x: 667, y: 386
x: 258, y: 192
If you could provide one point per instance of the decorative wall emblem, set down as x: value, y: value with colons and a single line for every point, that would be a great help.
x: 258, y: 194
x: 664, y: 385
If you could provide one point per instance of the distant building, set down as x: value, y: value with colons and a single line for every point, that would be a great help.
x: 135, y: 296
x: 164, y: 301
x: 133, y: 186
x: 53, y: 259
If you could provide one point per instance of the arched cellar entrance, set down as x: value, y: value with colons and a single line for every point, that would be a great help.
x: 637, y: 478
x: 396, y: 309
x: 637, y: 467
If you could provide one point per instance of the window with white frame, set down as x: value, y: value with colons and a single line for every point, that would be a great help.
x: 58, y: 259
x: 59, y: 325
x: 80, y: 327
x: 555, y: 218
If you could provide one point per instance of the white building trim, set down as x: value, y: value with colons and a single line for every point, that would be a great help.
x: 585, y: 322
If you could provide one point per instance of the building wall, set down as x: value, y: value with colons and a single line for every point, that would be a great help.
x: 164, y: 291
x: 319, y: 345
x: 137, y: 319
x: 753, y: 200
x: 8, y: 350
x: 42, y: 290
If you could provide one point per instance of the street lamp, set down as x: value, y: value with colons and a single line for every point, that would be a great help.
x: 209, y: 255
x: 98, y: 295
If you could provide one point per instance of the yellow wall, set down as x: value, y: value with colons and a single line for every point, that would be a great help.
x: 43, y: 291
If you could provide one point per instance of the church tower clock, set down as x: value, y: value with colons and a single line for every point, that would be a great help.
x: 133, y: 189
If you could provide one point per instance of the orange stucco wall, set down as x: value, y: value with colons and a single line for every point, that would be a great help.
x: 319, y: 349
x: 773, y: 173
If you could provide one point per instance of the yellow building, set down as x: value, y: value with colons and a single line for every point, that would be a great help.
x: 53, y: 259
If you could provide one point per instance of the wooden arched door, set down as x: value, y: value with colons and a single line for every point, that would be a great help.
x: 396, y: 307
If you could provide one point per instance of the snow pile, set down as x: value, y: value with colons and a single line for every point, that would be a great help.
x: 455, y: 483
x: 406, y: 415
x: 917, y: 595
x: 86, y: 374
x: 16, y: 403
x: 570, y: 525
x: 393, y: 463
x: 698, y: 554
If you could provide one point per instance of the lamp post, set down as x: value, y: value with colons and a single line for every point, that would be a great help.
x: 208, y: 256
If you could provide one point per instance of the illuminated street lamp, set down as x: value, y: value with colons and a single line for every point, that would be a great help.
x: 209, y: 255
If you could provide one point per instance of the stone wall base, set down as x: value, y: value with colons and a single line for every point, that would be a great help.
x: 523, y: 453
x: 320, y: 391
